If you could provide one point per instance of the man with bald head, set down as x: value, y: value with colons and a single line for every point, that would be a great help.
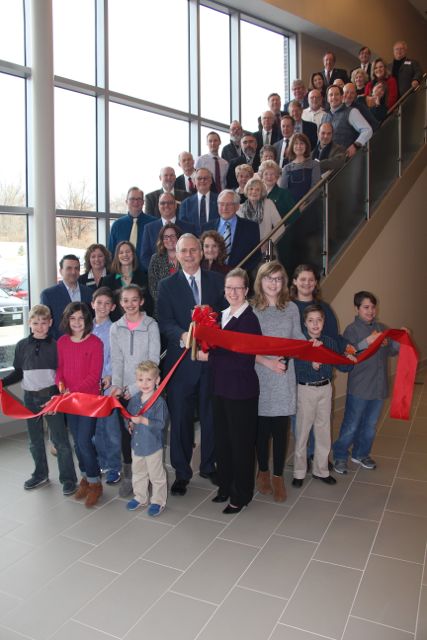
x: 232, y: 150
x: 351, y: 100
x: 167, y: 177
x: 330, y: 155
x: 314, y: 112
x: 268, y: 134
x: 187, y: 180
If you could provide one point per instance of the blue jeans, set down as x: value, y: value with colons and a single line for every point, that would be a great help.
x: 108, y: 442
x: 58, y: 434
x: 310, y: 441
x: 358, y: 427
x: 83, y: 430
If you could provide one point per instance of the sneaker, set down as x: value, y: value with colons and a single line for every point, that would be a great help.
x: 69, y: 487
x: 33, y: 482
x: 366, y: 463
x: 134, y: 504
x: 113, y: 477
x: 155, y: 510
x: 340, y: 466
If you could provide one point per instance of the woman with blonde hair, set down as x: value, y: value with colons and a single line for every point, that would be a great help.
x: 278, y: 317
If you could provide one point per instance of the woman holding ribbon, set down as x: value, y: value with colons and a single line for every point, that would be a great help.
x: 278, y: 317
x: 235, y: 400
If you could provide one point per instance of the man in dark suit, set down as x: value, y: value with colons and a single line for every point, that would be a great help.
x: 287, y: 127
x: 232, y: 150
x: 240, y: 235
x: 330, y: 155
x: 300, y: 93
x: 167, y: 178
x: 202, y: 207
x: 406, y: 71
x: 330, y: 72
x: 267, y: 134
x: 274, y: 102
x: 167, y: 206
x: 187, y: 180
x: 69, y: 290
x: 250, y: 155
x: 364, y: 56
x: 177, y: 296
x: 309, y: 129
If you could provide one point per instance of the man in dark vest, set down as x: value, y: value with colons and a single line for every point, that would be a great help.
x: 351, y: 130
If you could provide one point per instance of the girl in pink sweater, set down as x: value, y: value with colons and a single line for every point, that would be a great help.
x: 80, y: 358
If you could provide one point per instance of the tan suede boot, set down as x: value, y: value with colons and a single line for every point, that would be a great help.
x: 82, y: 490
x: 263, y: 482
x: 93, y: 494
x: 279, y: 489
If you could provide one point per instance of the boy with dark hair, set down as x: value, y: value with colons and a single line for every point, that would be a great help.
x: 367, y: 387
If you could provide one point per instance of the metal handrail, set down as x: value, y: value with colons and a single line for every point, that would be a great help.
x: 279, y: 225
x: 324, y: 179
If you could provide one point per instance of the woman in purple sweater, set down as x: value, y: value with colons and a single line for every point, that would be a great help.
x: 235, y: 400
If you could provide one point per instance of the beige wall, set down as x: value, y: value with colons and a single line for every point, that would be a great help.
x: 376, y: 24
x: 395, y: 270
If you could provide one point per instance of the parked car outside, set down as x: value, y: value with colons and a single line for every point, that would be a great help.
x: 11, y: 309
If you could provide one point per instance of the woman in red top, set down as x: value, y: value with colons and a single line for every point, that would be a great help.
x: 380, y: 73
x: 80, y: 359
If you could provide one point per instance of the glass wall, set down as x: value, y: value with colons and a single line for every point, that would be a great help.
x: 136, y: 83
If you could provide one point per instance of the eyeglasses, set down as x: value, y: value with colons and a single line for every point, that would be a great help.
x: 136, y: 199
x: 172, y: 236
x: 167, y: 203
x: 202, y: 178
x: 227, y: 205
x: 277, y: 280
x: 234, y: 289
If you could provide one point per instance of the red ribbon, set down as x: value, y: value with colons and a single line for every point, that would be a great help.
x: 303, y: 350
x: 81, y: 404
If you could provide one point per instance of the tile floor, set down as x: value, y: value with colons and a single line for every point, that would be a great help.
x: 343, y: 562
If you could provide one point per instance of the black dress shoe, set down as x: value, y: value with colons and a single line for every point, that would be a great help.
x: 327, y: 480
x: 220, y: 498
x: 212, y: 476
x: 179, y: 487
x: 230, y: 509
x: 297, y: 482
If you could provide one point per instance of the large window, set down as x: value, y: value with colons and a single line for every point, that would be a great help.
x: 12, y: 31
x: 75, y: 151
x: 215, y: 65
x: 74, y: 44
x: 12, y: 141
x: 140, y: 144
x: 135, y: 83
x: 263, y: 57
x: 148, y: 50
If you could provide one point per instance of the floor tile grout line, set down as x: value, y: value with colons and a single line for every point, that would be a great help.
x: 314, y: 552
x: 383, y: 555
x: 177, y: 578
x: 376, y: 534
x: 421, y: 592
x: 108, y: 636
x: 190, y: 597
x: 382, y: 624
x: 263, y: 593
x: 312, y: 633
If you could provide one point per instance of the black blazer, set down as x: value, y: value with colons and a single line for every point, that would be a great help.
x: 151, y: 205
x: 336, y: 73
x: 180, y: 186
x: 57, y: 298
x: 140, y: 278
x: 175, y: 303
x: 231, y: 173
x: 229, y: 152
x: 246, y: 237
x: 275, y: 136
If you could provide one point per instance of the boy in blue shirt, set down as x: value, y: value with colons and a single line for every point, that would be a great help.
x: 108, y: 433
x: 314, y: 401
x: 367, y: 387
x: 147, y: 442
